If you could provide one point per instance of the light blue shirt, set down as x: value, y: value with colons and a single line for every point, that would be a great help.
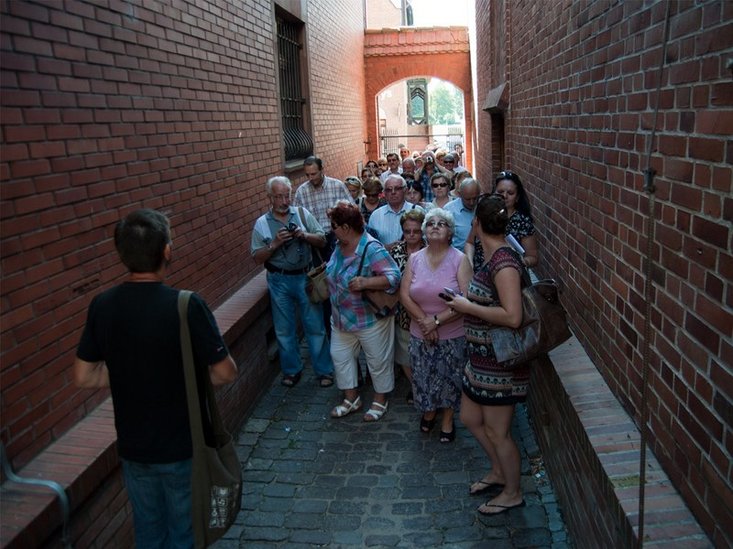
x: 384, y: 224
x: 463, y: 217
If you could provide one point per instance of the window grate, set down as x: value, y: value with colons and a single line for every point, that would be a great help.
x: 296, y: 140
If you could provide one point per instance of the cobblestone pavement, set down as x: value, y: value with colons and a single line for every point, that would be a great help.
x: 313, y: 481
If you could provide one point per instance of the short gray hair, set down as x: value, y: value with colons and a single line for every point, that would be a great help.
x: 397, y: 177
x: 465, y: 182
x: 443, y: 215
x: 278, y: 179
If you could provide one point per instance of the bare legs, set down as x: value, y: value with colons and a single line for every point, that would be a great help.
x: 491, y: 425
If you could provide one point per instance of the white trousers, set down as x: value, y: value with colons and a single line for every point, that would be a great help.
x: 377, y: 341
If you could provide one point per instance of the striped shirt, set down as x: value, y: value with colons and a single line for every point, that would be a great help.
x: 318, y: 200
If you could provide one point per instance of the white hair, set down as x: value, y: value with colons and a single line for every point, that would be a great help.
x: 278, y: 179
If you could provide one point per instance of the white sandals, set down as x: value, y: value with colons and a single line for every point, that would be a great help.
x: 375, y: 412
x: 346, y: 407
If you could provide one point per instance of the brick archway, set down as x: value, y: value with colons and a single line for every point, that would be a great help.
x: 391, y: 55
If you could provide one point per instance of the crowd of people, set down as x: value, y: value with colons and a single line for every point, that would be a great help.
x: 416, y: 226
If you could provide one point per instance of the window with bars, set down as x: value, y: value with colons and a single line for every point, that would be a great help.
x: 297, y: 141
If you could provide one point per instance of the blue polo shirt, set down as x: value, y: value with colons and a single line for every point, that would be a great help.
x: 463, y: 217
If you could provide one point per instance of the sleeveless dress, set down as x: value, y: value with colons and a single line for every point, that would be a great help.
x: 484, y: 381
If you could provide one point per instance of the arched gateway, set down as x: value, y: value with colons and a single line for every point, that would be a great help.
x: 391, y: 55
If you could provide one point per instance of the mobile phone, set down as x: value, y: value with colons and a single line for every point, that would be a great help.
x: 446, y: 297
x: 449, y: 291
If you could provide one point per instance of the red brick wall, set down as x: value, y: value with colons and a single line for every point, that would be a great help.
x: 111, y: 106
x: 582, y: 79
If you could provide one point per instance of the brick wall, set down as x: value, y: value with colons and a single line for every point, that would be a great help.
x: 111, y: 106
x: 582, y: 95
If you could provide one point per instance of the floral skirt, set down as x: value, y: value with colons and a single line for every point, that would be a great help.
x: 436, y: 372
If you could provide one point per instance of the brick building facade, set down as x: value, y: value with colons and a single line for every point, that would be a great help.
x: 566, y: 94
x: 112, y: 106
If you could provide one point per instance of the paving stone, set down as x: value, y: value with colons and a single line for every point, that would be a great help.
x: 311, y: 481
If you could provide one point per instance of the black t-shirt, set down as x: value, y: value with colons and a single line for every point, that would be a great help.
x: 134, y: 328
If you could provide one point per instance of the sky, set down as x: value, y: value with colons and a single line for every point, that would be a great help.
x: 440, y: 13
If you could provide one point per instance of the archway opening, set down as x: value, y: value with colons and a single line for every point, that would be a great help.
x: 420, y: 113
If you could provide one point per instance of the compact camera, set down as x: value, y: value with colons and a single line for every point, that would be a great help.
x: 292, y: 227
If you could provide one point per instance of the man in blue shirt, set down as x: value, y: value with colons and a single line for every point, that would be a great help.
x: 384, y: 223
x: 463, y: 209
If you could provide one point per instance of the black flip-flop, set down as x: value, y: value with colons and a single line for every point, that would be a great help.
x: 504, y: 508
x: 325, y: 380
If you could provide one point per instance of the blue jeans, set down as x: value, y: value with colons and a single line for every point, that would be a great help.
x: 160, y: 494
x: 288, y: 296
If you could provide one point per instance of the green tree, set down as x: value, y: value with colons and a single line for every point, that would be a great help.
x: 445, y: 104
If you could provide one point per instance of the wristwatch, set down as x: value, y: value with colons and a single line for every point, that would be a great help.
x: 435, y: 318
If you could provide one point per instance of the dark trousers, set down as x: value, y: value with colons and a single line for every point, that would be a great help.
x: 325, y: 255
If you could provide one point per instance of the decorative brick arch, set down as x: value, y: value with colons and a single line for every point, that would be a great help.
x: 391, y: 55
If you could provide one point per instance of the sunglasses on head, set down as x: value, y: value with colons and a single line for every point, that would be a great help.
x: 506, y: 174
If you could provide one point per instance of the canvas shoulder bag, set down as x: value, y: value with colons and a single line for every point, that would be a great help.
x: 216, y: 476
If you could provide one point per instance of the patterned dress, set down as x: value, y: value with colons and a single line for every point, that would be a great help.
x: 484, y: 381
x: 520, y: 226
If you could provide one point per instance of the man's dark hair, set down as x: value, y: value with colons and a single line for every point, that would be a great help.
x: 313, y: 160
x: 140, y: 240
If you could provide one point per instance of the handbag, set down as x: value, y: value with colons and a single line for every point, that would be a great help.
x: 544, y: 325
x: 216, y: 475
x: 380, y: 302
x: 316, y: 286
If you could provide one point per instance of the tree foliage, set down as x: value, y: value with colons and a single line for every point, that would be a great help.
x: 445, y: 104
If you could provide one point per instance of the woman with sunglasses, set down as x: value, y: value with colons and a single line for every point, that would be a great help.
x: 359, y: 263
x: 490, y: 392
x: 440, y: 183
x: 412, y: 241
x: 437, y: 340
x: 373, y: 198
x: 520, y: 226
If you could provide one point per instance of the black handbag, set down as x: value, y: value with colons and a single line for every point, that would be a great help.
x: 216, y: 475
x: 544, y: 325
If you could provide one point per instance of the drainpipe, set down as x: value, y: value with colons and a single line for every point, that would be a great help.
x: 52, y: 485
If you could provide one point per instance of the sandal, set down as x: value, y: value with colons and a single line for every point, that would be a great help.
x: 426, y: 425
x: 346, y: 407
x: 291, y: 380
x: 375, y: 414
x: 447, y: 437
x: 325, y: 380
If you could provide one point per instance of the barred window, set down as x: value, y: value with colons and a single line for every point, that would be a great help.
x: 294, y: 106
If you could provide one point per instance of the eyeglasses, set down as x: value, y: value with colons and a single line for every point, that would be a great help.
x: 394, y: 189
x: 436, y: 185
x: 412, y: 231
x: 439, y: 224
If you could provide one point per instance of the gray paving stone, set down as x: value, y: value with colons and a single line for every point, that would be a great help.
x: 312, y: 481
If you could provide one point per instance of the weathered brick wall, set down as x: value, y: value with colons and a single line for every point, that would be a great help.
x: 111, y: 106
x: 582, y: 79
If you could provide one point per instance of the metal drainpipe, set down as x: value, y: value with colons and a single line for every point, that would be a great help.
x: 53, y: 485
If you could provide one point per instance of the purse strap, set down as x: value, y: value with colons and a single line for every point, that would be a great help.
x: 192, y: 388
x: 363, y: 255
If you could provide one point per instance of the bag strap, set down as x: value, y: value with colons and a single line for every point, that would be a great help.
x: 198, y: 439
x: 363, y: 255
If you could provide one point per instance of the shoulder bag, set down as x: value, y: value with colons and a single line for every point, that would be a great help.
x: 315, y: 286
x: 381, y: 303
x: 544, y: 325
x: 216, y: 476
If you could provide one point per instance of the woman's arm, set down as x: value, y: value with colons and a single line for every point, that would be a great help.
x: 509, y: 312
x: 469, y: 247
x: 531, y: 251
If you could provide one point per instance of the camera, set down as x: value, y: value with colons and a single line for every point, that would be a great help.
x: 292, y: 227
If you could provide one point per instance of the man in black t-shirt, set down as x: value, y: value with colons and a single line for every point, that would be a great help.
x: 131, y: 343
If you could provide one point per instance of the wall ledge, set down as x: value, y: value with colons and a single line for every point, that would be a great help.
x: 591, y: 448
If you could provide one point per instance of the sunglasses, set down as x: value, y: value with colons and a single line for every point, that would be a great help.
x: 371, y: 195
x: 412, y: 231
x: 436, y: 185
x: 506, y: 174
